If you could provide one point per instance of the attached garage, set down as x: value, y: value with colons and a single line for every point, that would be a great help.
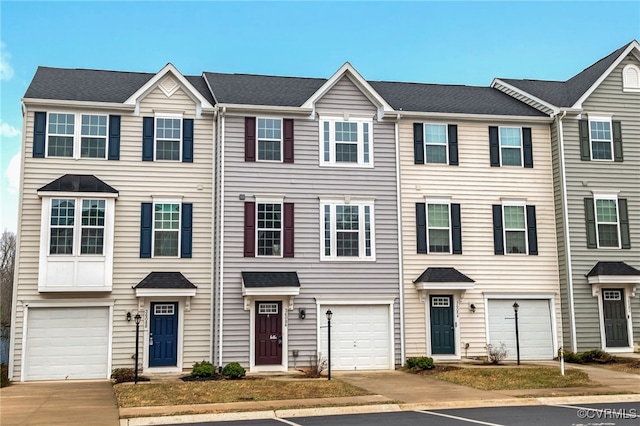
x: 67, y: 343
x: 535, y: 327
x: 361, y: 337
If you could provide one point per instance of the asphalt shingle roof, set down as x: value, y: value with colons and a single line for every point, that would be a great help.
x: 612, y: 268
x: 78, y: 183
x: 270, y: 279
x: 165, y: 280
x: 443, y: 275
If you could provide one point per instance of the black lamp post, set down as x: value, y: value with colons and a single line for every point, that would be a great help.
x: 137, y: 319
x: 329, y: 315
x: 515, y: 310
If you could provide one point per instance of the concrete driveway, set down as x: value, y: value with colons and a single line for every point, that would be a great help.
x: 57, y: 403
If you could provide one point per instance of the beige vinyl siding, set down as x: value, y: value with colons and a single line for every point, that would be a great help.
x: 302, y: 183
x: 136, y: 182
x: 476, y: 187
x: 583, y: 177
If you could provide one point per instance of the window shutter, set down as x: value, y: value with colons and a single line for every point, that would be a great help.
x: 617, y: 141
x: 583, y: 130
x: 249, y: 139
x: 452, y: 129
x: 498, y: 241
x: 114, y: 137
x: 421, y: 227
x: 146, y: 229
x: 590, y: 219
x: 249, y: 229
x: 527, y: 146
x: 147, y: 139
x: 494, y: 147
x: 287, y: 140
x: 39, y: 134
x: 187, y: 140
x: 288, y: 239
x: 418, y: 143
x: 186, y: 231
x: 532, y: 231
x: 625, y: 235
x: 456, y: 229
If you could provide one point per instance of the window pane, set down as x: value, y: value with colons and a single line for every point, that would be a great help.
x: 93, y: 147
x: 62, y: 212
x: 94, y: 125
x: 438, y: 215
x: 60, y: 146
x: 269, y: 229
x: 606, y: 211
x: 167, y: 150
x: 269, y: 243
x: 269, y: 150
x: 436, y: 154
x: 608, y: 235
x: 510, y: 136
x: 600, y: 130
x: 92, y: 241
x: 346, y: 153
x: 167, y: 216
x: 514, y: 217
x: 61, y: 241
x: 346, y: 132
x: 601, y: 150
x: 269, y: 128
x: 439, y: 241
x: 515, y: 242
x: 365, y: 134
x: 511, y: 157
x: 367, y: 230
x: 347, y: 244
x: 166, y: 243
x: 347, y: 218
x: 435, y: 134
x: 61, y: 124
x: 327, y: 141
x: 168, y: 128
x: 93, y: 212
x: 327, y: 230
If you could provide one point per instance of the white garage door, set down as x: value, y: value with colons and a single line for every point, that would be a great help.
x: 360, y: 337
x: 534, y: 327
x: 67, y: 343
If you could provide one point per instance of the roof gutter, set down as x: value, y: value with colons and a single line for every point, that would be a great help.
x: 469, y: 117
x: 84, y: 104
x: 239, y: 109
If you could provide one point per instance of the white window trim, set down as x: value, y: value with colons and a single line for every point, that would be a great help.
x: 348, y: 201
x: 167, y: 115
x: 76, y: 136
x: 606, y: 119
x: 281, y: 140
x: 511, y: 147
x: 438, y: 201
x: 446, y: 144
x: 626, y: 87
x: 177, y: 201
x: 269, y: 199
x: 504, y: 227
x: 332, y: 140
x: 613, y: 198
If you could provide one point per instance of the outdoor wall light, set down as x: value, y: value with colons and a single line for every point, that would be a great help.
x: 472, y: 307
x: 302, y: 313
x: 128, y: 316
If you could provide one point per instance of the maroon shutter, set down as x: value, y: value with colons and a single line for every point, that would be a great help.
x: 249, y: 229
x: 288, y: 230
x: 287, y: 140
x: 249, y: 139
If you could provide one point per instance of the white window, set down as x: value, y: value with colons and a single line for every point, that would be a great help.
x: 435, y: 137
x: 66, y: 139
x: 269, y: 139
x: 438, y: 227
x: 346, y: 142
x: 267, y: 308
x: 269, y: 227
x: 601, y: 140
x: 347, y: 230
x: 612, y: 295
x: 76, y: 231
x: 440, y: 301
x: 166, y: 228
x: 164, y: 309
x: 515, y: 229
x: 510, y: 146
x: 631, y: 78
x: 168, y: 141
x: 607, y: 222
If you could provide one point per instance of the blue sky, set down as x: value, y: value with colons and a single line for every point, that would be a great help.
x: 432, y: 42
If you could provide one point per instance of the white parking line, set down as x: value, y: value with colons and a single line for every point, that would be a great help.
x: 289, y: 422
x: 464, y: 419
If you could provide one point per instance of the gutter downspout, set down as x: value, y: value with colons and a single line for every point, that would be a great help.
x: 214, y: 182
x: 567, y: 238
x: 221, y: 239
x: 400, y: 247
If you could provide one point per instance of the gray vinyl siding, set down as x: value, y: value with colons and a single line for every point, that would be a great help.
x: 302, y: 183
x: 586, y: 176
x: 137, y: 182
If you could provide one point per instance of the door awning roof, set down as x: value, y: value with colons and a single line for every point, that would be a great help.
x: 165, y: 284
x: 613, y: 273
x: 443, y: 278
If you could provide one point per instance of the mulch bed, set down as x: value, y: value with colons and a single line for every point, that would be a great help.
x: 437, y: 369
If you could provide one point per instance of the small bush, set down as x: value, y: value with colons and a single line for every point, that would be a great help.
x: 121, y: 375
x: 420, y: 363
x: 233, y: 370
x: 497, y: 354
x: 4, y: 376
x: 203, y: 369
x: 592, y: 356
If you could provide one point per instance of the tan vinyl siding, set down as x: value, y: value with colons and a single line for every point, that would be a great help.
x: 476, y: 187
x: 137, y: 182
x: 583, y: 177
x: 302, y: 183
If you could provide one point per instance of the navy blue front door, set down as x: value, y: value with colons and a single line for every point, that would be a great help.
x: 442, y: 327
x: 163, y: 334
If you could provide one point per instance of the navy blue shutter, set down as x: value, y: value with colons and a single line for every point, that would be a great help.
x: 498, y: 239
x: 39, y: 134
x: 452, y: 129
x: 187, y: 140
x: 418, y: 143
x: 147, y: 139
x: 532, y: 231
x: 625, y: 236
x: 590, y: 222
x: 146, y: 229
x: 583, y: 131
x: 617, y: 141
x: 456, y: 229
x: 114, y: 137
x: 494, y: 147
x: 421, y: 227
x: 186, y: 231
x: 527, y: 145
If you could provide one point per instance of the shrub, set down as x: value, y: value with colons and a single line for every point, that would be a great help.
x: 203, y: 369
x: 592, y: 356
x: 233, y: 370
x: 121, y: 375
x: 497, y: 354
x: 420, y: 363
x: 4, y: 376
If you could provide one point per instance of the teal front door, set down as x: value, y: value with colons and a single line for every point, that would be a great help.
x: 442, y: 326
x: 163, y: 335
